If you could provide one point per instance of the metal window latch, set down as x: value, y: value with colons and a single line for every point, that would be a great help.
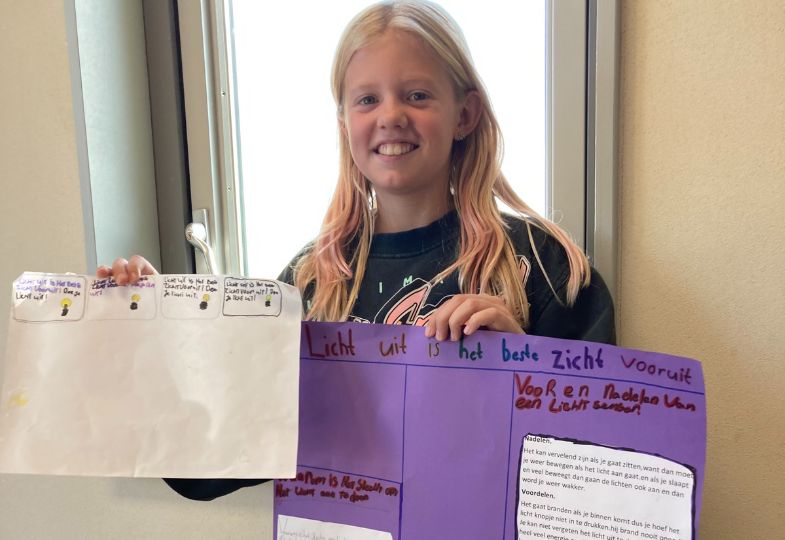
x: 196, y: 234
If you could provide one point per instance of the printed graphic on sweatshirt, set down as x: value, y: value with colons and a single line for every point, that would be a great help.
x: 409, y: 305
x: 414, y: 303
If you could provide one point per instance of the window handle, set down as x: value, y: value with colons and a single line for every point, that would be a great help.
x: 196, y: 234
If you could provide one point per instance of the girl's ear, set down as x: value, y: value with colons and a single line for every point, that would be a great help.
x: 470, y: 114
x: 341, y: 124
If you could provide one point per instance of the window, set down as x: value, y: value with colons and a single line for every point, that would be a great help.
x: 286, y: 119
x: 262, y: 128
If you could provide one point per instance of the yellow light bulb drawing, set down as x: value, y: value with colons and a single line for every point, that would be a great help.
x: 203, y: 303
x: 65, y: 303
x: 18, y: 400
x: 135, y: 298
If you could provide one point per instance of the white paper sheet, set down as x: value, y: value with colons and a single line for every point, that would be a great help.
x: 190, y: 376
x: 576, y: 491
x: 296, y: 528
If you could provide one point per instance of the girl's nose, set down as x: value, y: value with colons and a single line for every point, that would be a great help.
x: 392, y: 115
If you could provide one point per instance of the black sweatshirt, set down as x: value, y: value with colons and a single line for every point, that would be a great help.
x: 396, y: 289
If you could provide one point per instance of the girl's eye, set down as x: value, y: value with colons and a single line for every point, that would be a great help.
x: 418, y: 96
x: 366, y: 100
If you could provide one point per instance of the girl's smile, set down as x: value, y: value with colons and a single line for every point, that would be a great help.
x: 391, y: 149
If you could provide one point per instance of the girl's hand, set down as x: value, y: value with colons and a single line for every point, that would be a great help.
x: 127, y: 271
x: 465, y: 313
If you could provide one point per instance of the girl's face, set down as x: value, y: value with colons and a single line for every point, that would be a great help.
x: 401, y: 116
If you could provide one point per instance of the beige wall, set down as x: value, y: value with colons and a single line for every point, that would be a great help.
x: 702, y: 164
x: 41, y: 220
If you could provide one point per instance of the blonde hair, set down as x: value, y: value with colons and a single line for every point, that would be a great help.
x: 486, y: 262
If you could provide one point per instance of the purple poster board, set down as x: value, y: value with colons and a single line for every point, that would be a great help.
x: 497, y: 436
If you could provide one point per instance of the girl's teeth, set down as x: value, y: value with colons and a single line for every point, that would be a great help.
x: 395, y: 149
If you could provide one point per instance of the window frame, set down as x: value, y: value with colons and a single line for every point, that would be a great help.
x: 210, y: 117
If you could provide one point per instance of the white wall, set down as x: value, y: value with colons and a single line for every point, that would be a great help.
x: 42, y: 228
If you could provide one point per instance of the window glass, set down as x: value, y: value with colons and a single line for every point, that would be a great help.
x: 286, y: 117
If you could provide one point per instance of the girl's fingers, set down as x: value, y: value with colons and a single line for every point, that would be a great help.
x: 481, y: 311
x: 119, y: 271
x: 430, y: 330
x: 466, y: 313
x: 486, y: 318
x: 127, y: 271
x: 493, y: 319
x: 464, y: 309
x: 139, y: 266
x: 439, y: 324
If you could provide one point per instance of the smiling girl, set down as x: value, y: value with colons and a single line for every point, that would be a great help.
x: 413, y: 234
